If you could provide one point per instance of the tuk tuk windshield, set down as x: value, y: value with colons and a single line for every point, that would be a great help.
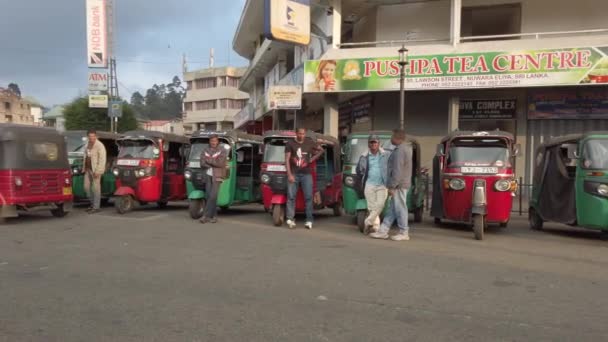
x: 76, y: 143
x: 139, y: 149
x: 595, y: 154
x: 274, y: 151
x: 197, y: 148
x: 478, y: 152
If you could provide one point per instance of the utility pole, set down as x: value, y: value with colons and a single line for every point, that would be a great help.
x: 113, y: 79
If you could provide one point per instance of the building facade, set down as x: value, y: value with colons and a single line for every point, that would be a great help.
x: 14, y: 109
x: 165, y: 126
x: 535, y: 68
x: 213, y: 98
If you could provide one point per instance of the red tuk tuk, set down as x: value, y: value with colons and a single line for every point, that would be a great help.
x: 35, y: 173
x: 326, y: 175
x: 150, y: 168
x: 473, y: 179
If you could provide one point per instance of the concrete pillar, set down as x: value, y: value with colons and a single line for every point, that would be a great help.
x: 337, y: 24
x: 275, y: 120
x: 330, y: 115
x: 455, y: 21
x: 453, y: 113
x: 218, y: 126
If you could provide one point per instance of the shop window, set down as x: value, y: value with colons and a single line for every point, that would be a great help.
x: 491, y: 20
x: 7, y: 105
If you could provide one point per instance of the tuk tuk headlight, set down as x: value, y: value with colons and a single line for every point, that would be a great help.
x: 141, y: 172
x: 188, y: 174
x: 349, y: 181
x: 502, y: 185
x: 116, y: 172
x: 75, y: 171
x: 18, y: 181
x: 602, y: 189
x: 456, y: 184
x: 265, y: 179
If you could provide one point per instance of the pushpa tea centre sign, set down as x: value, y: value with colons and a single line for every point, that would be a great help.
x: 456, y: 71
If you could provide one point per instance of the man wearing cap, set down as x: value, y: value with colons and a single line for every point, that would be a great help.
x: 372, y: 168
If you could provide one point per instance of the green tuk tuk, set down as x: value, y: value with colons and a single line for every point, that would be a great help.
x: 77, y: 143
x: 242, y: 183
x: 570, y: 184
x: 353, y: 198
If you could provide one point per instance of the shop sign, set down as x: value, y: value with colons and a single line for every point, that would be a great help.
x: 566, y: 66
x: 98, y: 80
x: 487, y: 109
x: 357, y: 110
x: 98, y: 101
x: 568, y: 103
x: 97, y: 40
x: 287, y: 20
x: 285, y: 97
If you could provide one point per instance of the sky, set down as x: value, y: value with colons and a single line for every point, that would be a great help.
x: 43, y: 43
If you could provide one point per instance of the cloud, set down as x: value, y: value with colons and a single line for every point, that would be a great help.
x: 45, y: 50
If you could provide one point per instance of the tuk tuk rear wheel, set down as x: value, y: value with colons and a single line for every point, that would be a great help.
x: 437, y: 221
x: 278, y: 215
x: 361, y: 214
x: 479, y: 224
x: 162, y: 204
x: 196, y: 208
x: 124, y: 204
x: 338, y: 209
x: 536, y: 222
x: 418, y: 214
x: 59, y: 212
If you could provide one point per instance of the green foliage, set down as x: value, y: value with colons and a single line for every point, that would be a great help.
x: 14, y: 87
x: 161, y: 102
x: 78, y: 116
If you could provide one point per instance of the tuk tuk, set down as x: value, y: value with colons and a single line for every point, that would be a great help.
x: 574, y: 170
x: 150, y: 167
x: 326, y: 175
x: 353, y: 197
x: 242, y: 183
x: 473, y: 179
x: 77, y: 143
x: 34, y: 171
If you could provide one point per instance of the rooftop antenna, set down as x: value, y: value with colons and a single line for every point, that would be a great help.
x: 184, y: 64
x: 211, y: 58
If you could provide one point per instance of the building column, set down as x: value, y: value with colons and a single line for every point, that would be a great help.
x: 455, y: 21
x: 218, y: 126
x: 330, y: 115
x: 337, y: 24
x: 453, y: 113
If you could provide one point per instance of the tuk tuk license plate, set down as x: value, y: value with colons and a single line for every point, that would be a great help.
x: 478, y: 170
x: 127, y: 162
x: 67, y: 191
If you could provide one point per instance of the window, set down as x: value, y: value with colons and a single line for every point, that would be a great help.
x: 188, y: 106
x: 232, y: 104
x: 189, y: 85
x: 41, y: 151
x: 22, y: 106
x: 222, y: 81
x: 232, y: 82
x: 9, y: 118
x: 7, y: 105
x: 491, y: 20
x: 204, y: 83
x: 205, y: 105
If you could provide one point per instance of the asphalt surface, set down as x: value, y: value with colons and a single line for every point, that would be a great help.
x: 156, y: 275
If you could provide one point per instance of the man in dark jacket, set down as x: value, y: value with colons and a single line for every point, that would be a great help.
x: 372, y: 170
x: 213, y: 161
x: 398, y: 184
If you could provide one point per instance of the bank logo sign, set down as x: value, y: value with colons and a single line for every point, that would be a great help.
x: 569, y: 66
x: 287, y: 20
x: 97, y: 44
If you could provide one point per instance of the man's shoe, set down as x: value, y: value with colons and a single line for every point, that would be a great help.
x: 291, y: 224
x: 401, y: 237
x: 89, y: 209
x: 213, y: 220
x: 308, y: 225
x: 93, y: 211
x: 379, y: 235
x: 204, y: 220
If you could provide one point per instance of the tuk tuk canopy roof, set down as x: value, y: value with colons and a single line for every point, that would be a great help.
x: 477, y: 134
x: 408, y: 137
x: 310, y: 134
x: 233, y: 135
x: 156, y: 135
x: 100, y: 134
x: 10, y: 132
x: 571, y: 138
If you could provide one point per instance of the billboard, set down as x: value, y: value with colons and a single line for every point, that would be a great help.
x: 568, y: 103
x: 487, y: 109
x: 287, y: 20
x: 98, y: 80
x: 97, y: 34
x: 502, y: 69
x: 285, y: 97
x: 98, y: 101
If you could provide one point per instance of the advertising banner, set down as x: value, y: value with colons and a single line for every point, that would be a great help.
x: 98, y: 80
x: 568, y: 66
x: 285, y: 97
x: 98, y: 101
x: 97, y: 32
x: 487, y: 109
x: 568, y: 103
x: 287, y: 20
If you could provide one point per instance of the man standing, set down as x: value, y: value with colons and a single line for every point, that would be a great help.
x: 399, y: 182
x: 372, y: 168
x: 94, y: 168
x: 300, y: 154
x: 213, y: 161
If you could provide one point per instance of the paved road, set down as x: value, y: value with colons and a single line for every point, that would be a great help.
x: 159, y: 276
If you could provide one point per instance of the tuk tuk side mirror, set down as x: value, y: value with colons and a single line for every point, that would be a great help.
x: 165, y: 146
x: 440, y: 151
x: 156, y: 151
x: 516, y: 150
x: 573, y: 153
x: 240, y: 156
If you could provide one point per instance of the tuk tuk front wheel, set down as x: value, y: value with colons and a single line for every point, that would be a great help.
x: 162, y: 204
x: 197, y: 208
x: 124, y: 204
x: 536, y: 222
x: 479, y: 224
x: 418, y: 213
x: 59, y: 211
x: 361, y: 215
x: 437, y: 221
x: 278, y: 215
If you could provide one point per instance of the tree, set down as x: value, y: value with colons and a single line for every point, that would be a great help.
x: 137, y: 99
x: 14, y: 87
x: 161, y: 101
x: 78, y: 116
